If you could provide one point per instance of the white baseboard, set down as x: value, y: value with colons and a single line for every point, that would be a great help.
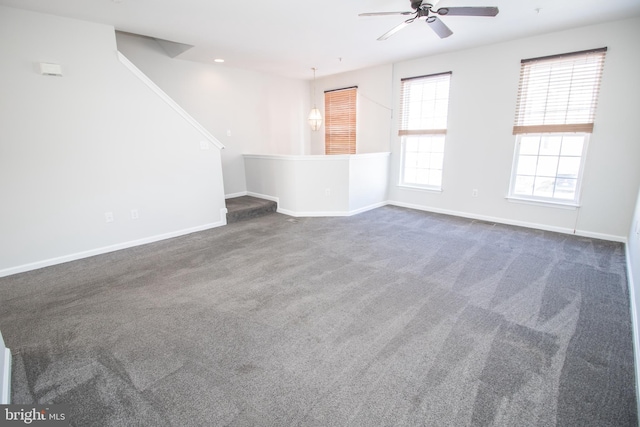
x: 98, y: 251
x: 634, y: 325
x: 111, y: 248
x: 300, y: 214
x: 234, y: 195
x: 312, y: 214
x: 5, y: 373
x: 600, y: 236
x: 331, y: 213
x: 563, y: 230
x: 223, y: 217
x: 263, y: 196
x: 368, y: 208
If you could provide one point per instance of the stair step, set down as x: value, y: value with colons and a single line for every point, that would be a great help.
x: 247, y: 207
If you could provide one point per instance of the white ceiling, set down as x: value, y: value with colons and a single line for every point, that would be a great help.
x: 289, y: 37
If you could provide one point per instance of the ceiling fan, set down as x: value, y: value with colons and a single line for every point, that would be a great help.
x: 421, y: 8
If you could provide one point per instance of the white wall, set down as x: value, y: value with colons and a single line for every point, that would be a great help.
x: 265, y: 114
x: 319, y: 185
x: 374, y: 107
x: 93, y: 141
x: 368, y: 180
x: 479, y: 150
x: 96, y: 140
x: 480, y: 144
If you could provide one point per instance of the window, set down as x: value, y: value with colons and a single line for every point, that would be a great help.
x: 555, y: 114
x: 424, y: 103
x: 548, y: 165
x: 340, y: 121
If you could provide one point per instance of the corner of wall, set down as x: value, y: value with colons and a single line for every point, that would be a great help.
x: 5, y: 373
x: 634, y: 323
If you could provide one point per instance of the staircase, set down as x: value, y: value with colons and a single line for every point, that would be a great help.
x: 247, y: 207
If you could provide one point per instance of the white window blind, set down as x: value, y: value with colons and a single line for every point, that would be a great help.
x: 559, y: 93
x: 340, y: 121
x: 424, y: 102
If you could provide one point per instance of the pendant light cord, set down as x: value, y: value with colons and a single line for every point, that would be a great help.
x: 314, y: 87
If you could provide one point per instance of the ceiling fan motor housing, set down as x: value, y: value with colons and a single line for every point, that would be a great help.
x: 423, y: 9
x: 416, y: 4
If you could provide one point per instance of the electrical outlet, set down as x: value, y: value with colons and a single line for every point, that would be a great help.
x: 108, y: 216
x: 327, y: 192
x: 204, y: 145
x: 135, y: 214
x: 474, y: 192
x: 228, y: 132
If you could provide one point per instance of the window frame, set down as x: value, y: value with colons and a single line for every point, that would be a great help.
x: 406, y: 131
x: 532, y: 121
x: 542, y: 199
x: 403, y: 157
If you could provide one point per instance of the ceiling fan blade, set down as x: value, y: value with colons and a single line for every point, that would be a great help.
x: 384, y: 13
x: 468, y: 11
x: 439, y: 27
x: 393, y: 31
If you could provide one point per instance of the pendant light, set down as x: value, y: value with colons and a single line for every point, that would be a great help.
x: 315, y: 118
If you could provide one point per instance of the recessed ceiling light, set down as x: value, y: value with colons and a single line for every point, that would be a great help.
x: 218, y: 60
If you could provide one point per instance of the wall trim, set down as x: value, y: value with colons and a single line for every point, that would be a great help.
x: 331, y: 213
x: 5, y: 373
x: 167, y: 99
x: 264, y: 196
x: 234, y: 195
x: 562, y: 230
x: 600, y: 236
x: 367, y: 208
x: 223, y: 211
x: 634, y: 323
x: 223, y: 217
x: 315, y: 213
x: 111, y: 248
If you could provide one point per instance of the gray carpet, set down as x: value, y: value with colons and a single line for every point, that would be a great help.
x: 389, y: 317
x: 248, y: 207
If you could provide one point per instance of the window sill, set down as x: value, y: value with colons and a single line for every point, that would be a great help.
x: 546, y: 203
x: 418, y: 188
